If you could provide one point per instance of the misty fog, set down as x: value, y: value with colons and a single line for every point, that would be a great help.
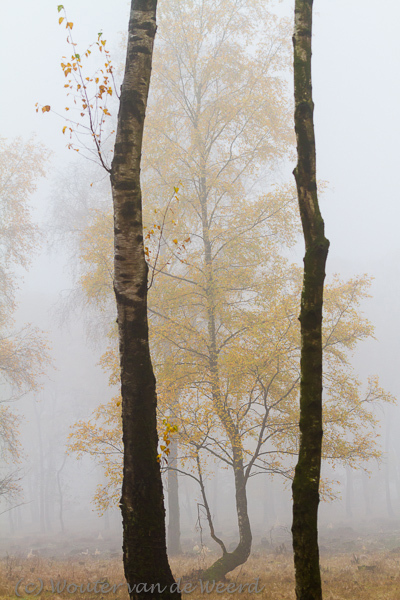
x: 65, y: 468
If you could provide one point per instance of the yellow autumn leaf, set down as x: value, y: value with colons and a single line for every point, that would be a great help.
x: 60, y: 20
x: 45, y: 108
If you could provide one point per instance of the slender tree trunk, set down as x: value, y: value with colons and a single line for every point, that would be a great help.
x: 61, y: 495
x: 215, y: 497
x: 269, y: 511
x: 174, y: 525
x: 228, y: 560
x: 188, y: 499
x: 389, y: 506
x: 142, y: 501
x: 307, y: 474
x: 49, y: 492
x: 367, y: 496
x: 349, y: 492
x: 42, y: 520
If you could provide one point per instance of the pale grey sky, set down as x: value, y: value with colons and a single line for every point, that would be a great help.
x: 356, y: 87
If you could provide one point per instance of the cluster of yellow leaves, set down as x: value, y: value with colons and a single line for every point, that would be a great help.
x: 89, y: 95
x: 168, y: 431
x: 101, y: 437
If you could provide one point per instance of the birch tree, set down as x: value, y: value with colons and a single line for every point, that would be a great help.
x: 307, y: 474
x: 142, y: 502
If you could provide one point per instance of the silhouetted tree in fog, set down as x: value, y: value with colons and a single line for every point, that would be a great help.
x: 307, y: 474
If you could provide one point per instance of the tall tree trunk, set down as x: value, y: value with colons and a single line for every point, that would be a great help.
x: 61, y: 494
x: 174, y: 525
x: 366, y: 492
x: 142, y: 501
x: 349, y: 492
x: 42, y: 504
x: 216, y: 489
x: 389, y: 506
x: 307, y: 474
x: 228, y: 560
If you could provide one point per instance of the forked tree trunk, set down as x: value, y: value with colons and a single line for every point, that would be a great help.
x: 142, y: 502
x: 228, y: 560
x: 307, y: 475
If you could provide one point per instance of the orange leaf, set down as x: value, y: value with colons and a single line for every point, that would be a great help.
x: 64, y: 128
x: 45, y: 108
x: 69, y: 25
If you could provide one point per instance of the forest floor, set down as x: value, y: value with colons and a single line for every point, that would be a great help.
x: 267, y: 576
x: 358, y: 562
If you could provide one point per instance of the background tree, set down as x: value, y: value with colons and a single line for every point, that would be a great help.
x: 307, y: 475
x: 23, y: 350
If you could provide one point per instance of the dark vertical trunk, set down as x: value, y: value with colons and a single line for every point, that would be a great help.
x: 307, y: 474
x: 174, y: 526
x: 142, y: 501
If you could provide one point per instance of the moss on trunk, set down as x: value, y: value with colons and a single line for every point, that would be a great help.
x: 307, y: 474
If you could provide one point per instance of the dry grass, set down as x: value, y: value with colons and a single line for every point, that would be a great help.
x: 345, y: 577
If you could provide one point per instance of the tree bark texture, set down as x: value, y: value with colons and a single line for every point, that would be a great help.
x: 307, y: 474
x: 142, y: 502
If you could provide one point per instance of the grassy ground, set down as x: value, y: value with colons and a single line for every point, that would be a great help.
x: 373, y: 576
